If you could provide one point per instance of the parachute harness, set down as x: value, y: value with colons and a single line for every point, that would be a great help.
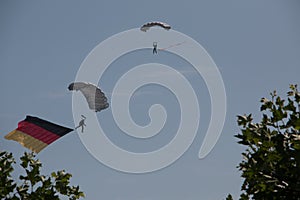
x: 81, y: 123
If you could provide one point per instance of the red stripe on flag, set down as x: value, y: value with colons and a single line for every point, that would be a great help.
x: 37, y: 132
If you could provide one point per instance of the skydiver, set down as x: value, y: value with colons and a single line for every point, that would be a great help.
x: 81, y: 123
x: 154, y: 47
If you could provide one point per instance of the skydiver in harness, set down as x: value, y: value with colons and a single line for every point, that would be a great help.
x: 81, y: 123
x: 154, y: 47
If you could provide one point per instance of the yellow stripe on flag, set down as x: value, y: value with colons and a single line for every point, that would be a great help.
x: 27, y: 141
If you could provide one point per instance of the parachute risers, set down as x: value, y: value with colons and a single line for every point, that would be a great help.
x: 95, y: 98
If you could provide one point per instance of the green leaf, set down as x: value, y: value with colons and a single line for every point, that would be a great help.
x: 279, y: 102
x: 290, y: 106
x: 297, y: 124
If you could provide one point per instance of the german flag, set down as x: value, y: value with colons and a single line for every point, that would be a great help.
x: 36, y: 134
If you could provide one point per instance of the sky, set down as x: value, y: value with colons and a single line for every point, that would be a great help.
x: 255, y: 45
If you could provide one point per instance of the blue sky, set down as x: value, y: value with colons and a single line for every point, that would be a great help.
x: 255, y: 44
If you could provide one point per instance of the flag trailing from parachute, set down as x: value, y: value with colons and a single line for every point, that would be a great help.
x: 36, y: 134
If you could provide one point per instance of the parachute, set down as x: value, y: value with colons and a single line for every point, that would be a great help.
x: 95, y: 97
x: 148, y: 25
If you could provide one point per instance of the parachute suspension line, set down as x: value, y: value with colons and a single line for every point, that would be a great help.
x: 173, y: 45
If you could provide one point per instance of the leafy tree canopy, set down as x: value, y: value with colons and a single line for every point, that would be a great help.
x: 271, y: 161
x: 33, y: 185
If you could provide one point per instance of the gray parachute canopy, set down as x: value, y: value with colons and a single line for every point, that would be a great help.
x: 94, y: 96
x: 148, y: 25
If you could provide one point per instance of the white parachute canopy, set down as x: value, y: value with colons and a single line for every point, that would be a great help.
x: 148, y: 25
x: 95, y: 97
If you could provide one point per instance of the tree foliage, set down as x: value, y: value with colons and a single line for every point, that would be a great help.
x: 33, y: 185
x: 271, y: 161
